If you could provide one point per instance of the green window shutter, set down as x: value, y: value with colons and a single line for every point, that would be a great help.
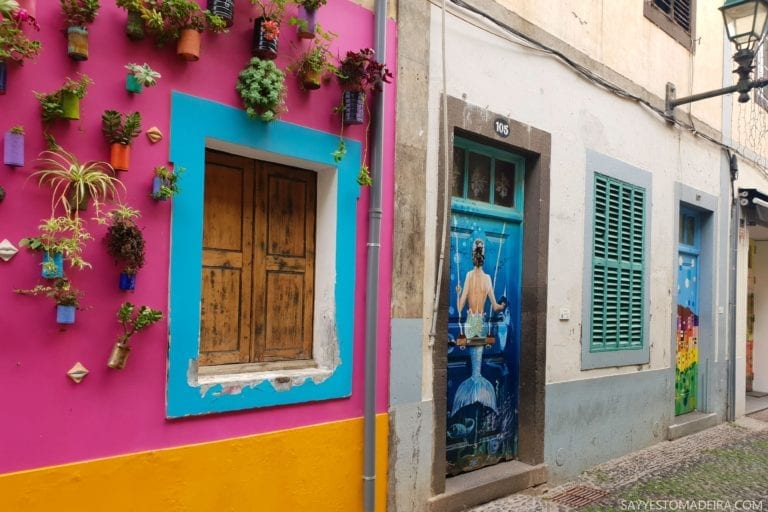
x: 617, y: 309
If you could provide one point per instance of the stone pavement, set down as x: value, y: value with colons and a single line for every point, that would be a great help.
x: 722, y: 468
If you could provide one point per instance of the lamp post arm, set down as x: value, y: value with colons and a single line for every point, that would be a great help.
x: 672, y: 102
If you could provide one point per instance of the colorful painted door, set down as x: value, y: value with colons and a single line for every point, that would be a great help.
x: 686, y: 371
x: 484, y: 311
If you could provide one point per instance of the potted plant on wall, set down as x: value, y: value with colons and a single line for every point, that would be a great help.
x: 15, y: 46
x: 65, y: 102
x: 61, y: 239
x: 266, y: 28
x: 314, y: 64
x: 79, y: 14
x: 262, y: 89
x: 134, y: 27
x: 119, y: 130
x: 13, y: 150
x: 165, y: 183
x: 73, y: 182
x: 132, y: 322
x: 305, y: 21
x: 224, y: 9
x: 140, y: 76
x: 125, y: 243
x: 66, y: 297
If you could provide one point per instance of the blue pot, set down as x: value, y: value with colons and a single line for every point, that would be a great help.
x: 65, y: 314
x: 57, y: 260
x: 3, y: 76
x: 157, y: 182
x: 127, y: 281
x: 132, y: 85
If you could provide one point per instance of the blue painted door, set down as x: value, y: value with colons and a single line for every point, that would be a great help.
x: 484, y: 311
x: 687, y: 338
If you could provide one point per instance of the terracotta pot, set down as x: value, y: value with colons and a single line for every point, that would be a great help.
x: 131, y: 84
x: 3, y: 76
x: 224, y: 9
x: 134, y: 26
x: 70, y: 104
x: 262, y: 47
x: 13, y: 151
x: 188, y: 47
x: 310, y: 79
x: 308, y: 15
x: 119, y: 356
x: 77, y: 43
x: 65, y: 314
x: 120, y: 156
x: 30, y: 6
x: 354, y: 107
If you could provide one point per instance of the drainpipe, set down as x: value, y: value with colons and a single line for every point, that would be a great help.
x: 733, y: 257
x: 372, y: 273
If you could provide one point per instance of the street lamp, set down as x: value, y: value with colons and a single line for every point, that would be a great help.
x: 745, y: 24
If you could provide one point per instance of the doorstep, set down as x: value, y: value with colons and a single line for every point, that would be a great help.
x: 487, y: 484
x: 691, y: 423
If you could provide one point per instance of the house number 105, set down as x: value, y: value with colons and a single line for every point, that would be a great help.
x: 501, y: 127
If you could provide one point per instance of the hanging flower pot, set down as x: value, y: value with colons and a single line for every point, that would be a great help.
x: 119, y: 356
x: 70, y: 105
x: 310, y: 78
x: 127, y: 281
x: 30, y: 6
x: 53, y: 265
x: 132, y: 84
x: 265, y: 39
x: 3, y: 76
x: 188, y: 47
x: 65, y: 314
x: 224, y: 9
x: 13, y: 152
x: 77, y: 43
x: 134, y: 26
x: 120, y: 156
x: 306, y: 26
x: 354, y: 107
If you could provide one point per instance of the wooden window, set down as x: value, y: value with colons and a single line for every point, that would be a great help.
x: 618, y: 266
x: 675, y: 17
x: 258, y: 262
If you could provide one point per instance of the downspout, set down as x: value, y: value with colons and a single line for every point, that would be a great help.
x: 372, y: 272
x: 732, y: 267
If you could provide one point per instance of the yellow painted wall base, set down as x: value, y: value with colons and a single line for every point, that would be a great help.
x: 317, y: 468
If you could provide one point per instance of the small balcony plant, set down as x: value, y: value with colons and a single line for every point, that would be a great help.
x: 125, y: 243
x: 262, y: 89
x: 74, y: 183
x: 65, y: 102
x: 61, y: 239
x: 305, y: 22
x: 78, y: 14
x: 132, y: 321
x: 140, y: 76
x: 65, y: 296
x: 120, y: 130
x: 314, y: 64
x: 266, y: 28
x: 13, y: 150
x: 165, y: 183
x: 15, y: 46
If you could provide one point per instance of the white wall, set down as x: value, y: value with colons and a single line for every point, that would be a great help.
x: 760, y: 355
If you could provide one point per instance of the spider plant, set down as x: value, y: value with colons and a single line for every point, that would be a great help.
x: 73, y: 182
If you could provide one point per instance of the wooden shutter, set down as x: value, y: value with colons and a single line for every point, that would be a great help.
x: 225, y: 313
x: 617, y: 310
x: 285, y: 242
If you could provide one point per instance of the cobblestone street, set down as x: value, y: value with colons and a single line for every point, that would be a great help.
x: 722, y: 468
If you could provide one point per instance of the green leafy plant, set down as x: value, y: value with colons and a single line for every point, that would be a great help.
x: 311, y: 5
x: 73, y: 182
x: 80, y: 13
x: 165, y: 19
x: 125, y: 241
x: 14, y: 43
x: 316, y: 59
x: 134, y: 321
x: 262, y: 89
x: 51, y: 103
x: 143, y: 74
x: 18, y: 130
x: 120, y: 128
x: 169, y: 182
x: 64, y: 235
x: 271, y: 9
x: 62, y: 292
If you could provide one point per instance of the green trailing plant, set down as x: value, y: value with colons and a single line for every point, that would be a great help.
x: 64, y: 235
x: 165, y: 19
x: 120, y: 128
x: 125, y: 241
x: 317, y: 57
x: 133, y: 320
x: 51, y: 103
x: 262, y: 89
x: 61, y: 291
x: 169, y: 182
x: 143, y: 74
x: 80, y: 13
x: 73, y: 182
x: 15, y: 45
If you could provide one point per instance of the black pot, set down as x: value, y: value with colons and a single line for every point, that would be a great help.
x: 354, y: 107
x: 263, y: 48
x: 134, y: 26
x: 224, y: 9
x: 3, y: 76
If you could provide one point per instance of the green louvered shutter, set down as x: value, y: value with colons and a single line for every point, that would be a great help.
x: 617, y: 266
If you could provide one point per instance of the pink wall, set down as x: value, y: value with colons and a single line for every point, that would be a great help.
x: 49, y: 419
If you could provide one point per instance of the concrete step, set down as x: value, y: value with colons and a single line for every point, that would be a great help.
x: 691, y: 423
